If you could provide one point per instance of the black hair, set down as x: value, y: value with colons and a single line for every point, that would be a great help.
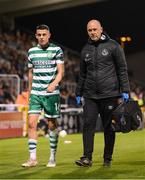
x: 43, y: 26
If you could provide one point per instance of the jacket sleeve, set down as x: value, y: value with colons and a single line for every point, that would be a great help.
x: 82, y: 77
x: 121, y: 69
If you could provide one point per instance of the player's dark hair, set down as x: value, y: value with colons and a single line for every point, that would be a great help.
x: 43, y: 26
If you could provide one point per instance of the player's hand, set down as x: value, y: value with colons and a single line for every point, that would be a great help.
x: 51, y: 87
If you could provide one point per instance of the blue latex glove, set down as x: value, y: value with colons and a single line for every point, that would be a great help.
x: 125, y: 97
x: 78, y: 99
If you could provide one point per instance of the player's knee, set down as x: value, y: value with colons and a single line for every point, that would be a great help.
x: 31, y: 126
x: 52, y: 125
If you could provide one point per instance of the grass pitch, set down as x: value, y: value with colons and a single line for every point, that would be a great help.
x: 128, y: 159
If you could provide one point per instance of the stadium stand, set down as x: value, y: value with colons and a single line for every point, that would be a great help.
x: 13, y: 78
x: 13, y: 62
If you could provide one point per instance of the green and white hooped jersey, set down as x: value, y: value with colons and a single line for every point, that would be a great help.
x: 44, y: 63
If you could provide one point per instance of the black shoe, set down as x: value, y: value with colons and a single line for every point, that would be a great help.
x: 107, y: 163
x: 84, y: 161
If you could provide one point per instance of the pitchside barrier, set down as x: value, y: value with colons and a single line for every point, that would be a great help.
x: 13, y: 120
x: 14, y: 123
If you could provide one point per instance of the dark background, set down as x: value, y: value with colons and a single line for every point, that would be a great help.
x: 118, y: 18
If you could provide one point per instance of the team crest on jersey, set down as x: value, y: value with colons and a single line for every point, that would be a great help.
x: 50, y: 55
x: 105, y: 52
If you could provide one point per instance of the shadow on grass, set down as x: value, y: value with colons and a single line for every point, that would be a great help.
x: 118, y: 170
x: 99, y: 172
x: 89, y: 173
x: 23, y: 173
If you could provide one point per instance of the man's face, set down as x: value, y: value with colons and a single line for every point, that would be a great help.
x: 43, y: 36
x: 94, y: 30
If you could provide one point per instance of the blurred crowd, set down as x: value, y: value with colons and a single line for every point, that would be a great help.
x: 13, y: 60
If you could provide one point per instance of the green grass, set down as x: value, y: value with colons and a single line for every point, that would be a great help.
x: 128, y: 160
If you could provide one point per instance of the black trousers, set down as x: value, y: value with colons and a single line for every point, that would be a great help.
x: 91, y: 109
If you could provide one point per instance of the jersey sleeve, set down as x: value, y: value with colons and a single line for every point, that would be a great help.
x: 60, y: 56
x: 30, y: 65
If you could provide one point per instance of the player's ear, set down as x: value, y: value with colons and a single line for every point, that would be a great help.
x: 49, y: 34
x: 36, y: 36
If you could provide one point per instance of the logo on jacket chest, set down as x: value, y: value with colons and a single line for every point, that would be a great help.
x: 104, y: 52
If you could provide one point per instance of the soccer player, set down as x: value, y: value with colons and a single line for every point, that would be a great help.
x: 46, y: 68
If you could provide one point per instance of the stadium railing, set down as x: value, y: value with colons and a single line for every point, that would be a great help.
x: 12, y: 81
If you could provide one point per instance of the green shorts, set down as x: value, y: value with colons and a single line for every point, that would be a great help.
x: 50, y: 105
